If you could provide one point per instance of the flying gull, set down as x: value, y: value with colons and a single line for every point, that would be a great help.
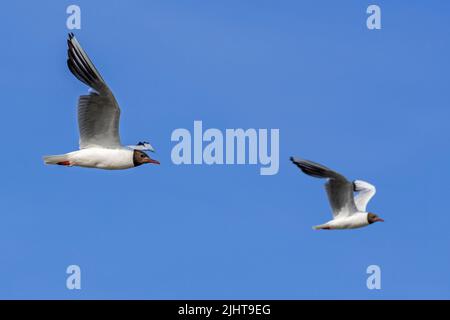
x: 98, y: 122
x: 349, y: 210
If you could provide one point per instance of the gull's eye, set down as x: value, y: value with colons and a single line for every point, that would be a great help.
x: 142, y: 156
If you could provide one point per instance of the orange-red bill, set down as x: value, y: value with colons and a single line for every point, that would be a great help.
x: 149, y: 160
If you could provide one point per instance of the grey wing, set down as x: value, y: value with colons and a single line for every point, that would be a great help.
x: 339, y: 189
x: 98, y: 112
x: 98, y: 122
x: 340, y: 196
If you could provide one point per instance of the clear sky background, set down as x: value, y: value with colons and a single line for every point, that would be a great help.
x: 374, y: 105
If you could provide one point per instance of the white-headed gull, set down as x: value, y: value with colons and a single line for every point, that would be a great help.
x: 98, y: 122
x: 349, y: 210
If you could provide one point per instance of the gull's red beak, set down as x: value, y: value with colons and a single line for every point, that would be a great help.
x: 379, y: 220
x: 150, y: 160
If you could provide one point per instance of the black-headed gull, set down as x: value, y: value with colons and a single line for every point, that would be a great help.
x: 349, y: 210
x: 98, y: 122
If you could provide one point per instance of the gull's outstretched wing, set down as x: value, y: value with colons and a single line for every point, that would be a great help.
x: 365, y: 192
x: 339, y: 189
x: 98, y: 112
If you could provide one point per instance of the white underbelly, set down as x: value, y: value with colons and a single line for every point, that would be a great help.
x: 354, y: 221
x: 110, y: 159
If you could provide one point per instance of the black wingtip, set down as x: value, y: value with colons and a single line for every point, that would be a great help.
x: 292, y: 159
x: 71, y: 35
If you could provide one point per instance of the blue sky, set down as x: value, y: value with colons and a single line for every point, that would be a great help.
x: 373, y: 105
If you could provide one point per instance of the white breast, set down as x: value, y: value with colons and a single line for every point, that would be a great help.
x: 102, y: 158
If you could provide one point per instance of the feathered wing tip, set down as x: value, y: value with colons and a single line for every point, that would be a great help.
x: 314, y: 169
x: 81, y: 66
x: 146, y: 146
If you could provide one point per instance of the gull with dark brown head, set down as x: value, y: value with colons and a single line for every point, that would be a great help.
x: 349, y: 210
x: 98, y: 122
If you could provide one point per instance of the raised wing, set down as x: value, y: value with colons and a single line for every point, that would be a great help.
x: 142, y: 146
x: 365, y: 192
x: 339, y: 189
x: 98, y: 112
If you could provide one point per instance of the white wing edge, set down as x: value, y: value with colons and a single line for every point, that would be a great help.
x: 365, y: 192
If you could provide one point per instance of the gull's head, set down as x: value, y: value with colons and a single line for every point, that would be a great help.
x: 372, y: 217
x: 140, y: 157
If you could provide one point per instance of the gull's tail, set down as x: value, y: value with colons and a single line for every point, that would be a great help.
x: 60, y: 159
x: 322, y: 227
